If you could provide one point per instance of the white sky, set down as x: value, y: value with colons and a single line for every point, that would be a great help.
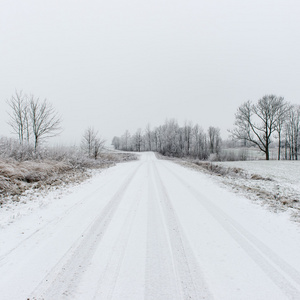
x: 119, y: 64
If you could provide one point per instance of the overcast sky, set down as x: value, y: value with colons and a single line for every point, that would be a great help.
x: 119, y: 64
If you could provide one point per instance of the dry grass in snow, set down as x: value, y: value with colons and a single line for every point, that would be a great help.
x: 16, y: 177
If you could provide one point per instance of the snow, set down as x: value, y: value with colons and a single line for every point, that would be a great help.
x: 286, y: 173
x: 148, y: 229
x: 275, y: 184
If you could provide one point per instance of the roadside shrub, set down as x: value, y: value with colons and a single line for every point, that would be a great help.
x: 22, y: 168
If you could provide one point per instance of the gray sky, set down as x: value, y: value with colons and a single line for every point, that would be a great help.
x: 118, y: 64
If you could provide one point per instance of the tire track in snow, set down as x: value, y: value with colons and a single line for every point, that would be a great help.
x: 189, y: 276
x: 52, y: 222
x: 62, y: 280
x: 260, y: 253
x: 108, y: 277
x: 160, y: 277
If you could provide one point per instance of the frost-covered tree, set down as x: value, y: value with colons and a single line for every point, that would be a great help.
x: 19, y: 116
x: 292, y: 133
x: 170, y: 139
x: 116, y: 142
x: 92, y: 143
x: 148, y: 138
x: 281, y: 119
x: 257, y: 122
x: 31, y: 118
x: 157, y: 138
x: 187, y: 129
x: 44, y: 120
x: 137, y: 140
x: 98, y: 146
x: 88, y: 141
x: 214, y: 139
x: 125, y: 141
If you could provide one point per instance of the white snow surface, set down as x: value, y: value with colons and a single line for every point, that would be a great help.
x: 148, y: 229
x: 277, y: 183
x: 285, y: 172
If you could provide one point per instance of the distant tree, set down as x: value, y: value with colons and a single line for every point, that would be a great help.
x: 137, y: 140
x: 116, y: 142
x: 281, y: 118
x: 44, y: 120
x: 172, y: 140
x: 199, y: 145
x: 187, y: 137
x: 148, y: 137
x: 256, y: 122
x: 292, y: 128
x: 98, y: 146
x: 31, y: 117
x: 214, y: 139
x: 157, y: 136
x: 126, y: 141
x: 88, y: 141
x: 91, y: 143
x: 19, y: 116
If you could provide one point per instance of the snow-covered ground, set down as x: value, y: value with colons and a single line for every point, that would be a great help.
x: 275, y: 183
x: 15, y: 207
x: 148, y: 229
x: 284, y: 172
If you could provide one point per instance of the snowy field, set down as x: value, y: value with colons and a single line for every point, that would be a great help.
x: 148, y: 229
x: 251, y: 153
x: 285, y: 173
x: 273, y: 184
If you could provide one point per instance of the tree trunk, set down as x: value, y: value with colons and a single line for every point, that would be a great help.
x: 35, y: 143
x: 267, y: 154
x: 285, y: 146
x: 279, y: 145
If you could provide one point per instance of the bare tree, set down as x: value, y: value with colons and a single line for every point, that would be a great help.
x: 199, y: 145
x: 126, y: 141
x: 44, y: 120
x: 282, y: 115
x: 170, y: 138
x: 116, y: 142
x: 158, y: 138
x: 256, y: 123
x: 31, y: 117
x: 137, y: 140
x: 98, y: 146
x: 214, y: 139
x: 88, y: 141
x: 19, y: 120
x: 292, y: 130
x: 148, y: 137
x: 187, y: 137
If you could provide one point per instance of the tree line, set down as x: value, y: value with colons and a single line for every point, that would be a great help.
x: 269, y: 121
x: 170, y: 139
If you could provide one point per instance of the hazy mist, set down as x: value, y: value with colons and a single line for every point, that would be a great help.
x: 118, y: 65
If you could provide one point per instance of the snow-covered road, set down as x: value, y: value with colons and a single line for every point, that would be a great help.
x: 150, y: 229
